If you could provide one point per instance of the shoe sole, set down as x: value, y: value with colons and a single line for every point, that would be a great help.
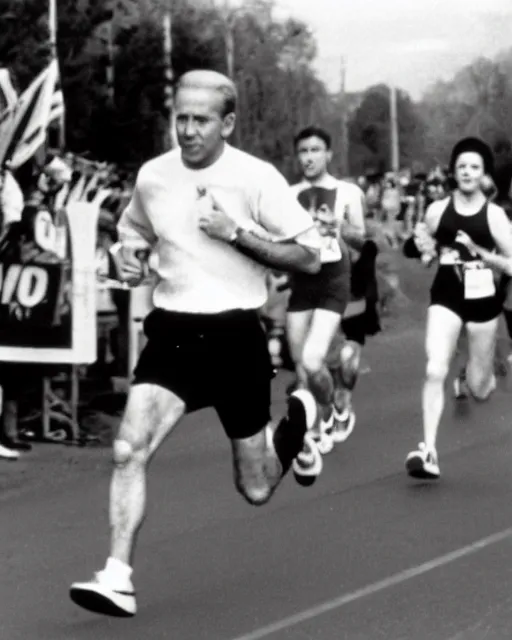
x: 96, y: 602
x: 308, y: 473
x: 416, y: 469
x: 304, y: 481
x: 338, y: 436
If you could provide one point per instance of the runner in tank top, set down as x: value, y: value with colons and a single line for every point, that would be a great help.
x: 318, y: 301
x: 464, y: 292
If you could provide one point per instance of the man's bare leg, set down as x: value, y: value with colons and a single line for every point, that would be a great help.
x: 150, y: 415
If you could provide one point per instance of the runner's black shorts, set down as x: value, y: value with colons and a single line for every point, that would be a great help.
x: 211, y: 360
x: 329, y: 289
x: 448, y: 291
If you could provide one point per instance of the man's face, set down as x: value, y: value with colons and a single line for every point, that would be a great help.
x: 469, y: 171
x: 313, y: 156
x: 200, y: 126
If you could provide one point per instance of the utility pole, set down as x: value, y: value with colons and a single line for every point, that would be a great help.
x: 110, y: 68
x: 395, y: 143
x: 230, y: 46
x: 345, y: 169
x: 229, y: 43
x: 168, y: 73
x: 52, y: 35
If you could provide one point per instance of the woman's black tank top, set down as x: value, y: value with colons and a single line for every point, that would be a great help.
x: 476, y: 226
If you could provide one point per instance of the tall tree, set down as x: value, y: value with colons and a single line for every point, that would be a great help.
x: 475, y: 102
x: 279, y: 91
x: 370, y: 132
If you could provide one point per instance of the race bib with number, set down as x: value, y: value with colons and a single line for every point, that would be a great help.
x: 478, y: 283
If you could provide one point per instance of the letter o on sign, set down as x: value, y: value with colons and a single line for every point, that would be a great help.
x: 32, y: 286
x: 45, y: 233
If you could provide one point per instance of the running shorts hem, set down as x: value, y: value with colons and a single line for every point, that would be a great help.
x: 329, y: 289
x: 477, y: 311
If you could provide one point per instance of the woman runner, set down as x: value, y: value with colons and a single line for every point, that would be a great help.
x: 464, y: 292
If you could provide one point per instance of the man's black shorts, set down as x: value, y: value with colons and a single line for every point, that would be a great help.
x: 218, y: 360
x: 329, y: 289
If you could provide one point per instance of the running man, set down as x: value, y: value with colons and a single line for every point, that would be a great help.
x: 464, y: 292
x: 318, y: 301
x: 206, y: 347
x: 359, y: 320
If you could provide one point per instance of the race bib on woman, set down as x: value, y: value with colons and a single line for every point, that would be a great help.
x: 478, y: 283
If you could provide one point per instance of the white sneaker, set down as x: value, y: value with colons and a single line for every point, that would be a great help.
x: 106, y: 595
x: 303, y: 411
x: 423, y: 463
x: 344, y: 424
x: 323, y: 435
x: 460, y: 388
x: 8, y: 454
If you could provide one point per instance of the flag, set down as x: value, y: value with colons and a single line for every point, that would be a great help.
x: 8, y: 95
x: 57, y: 106
x: 8, y: 100
x: 32, y: 117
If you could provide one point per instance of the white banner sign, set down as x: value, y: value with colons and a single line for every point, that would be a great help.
x: 48, y: 291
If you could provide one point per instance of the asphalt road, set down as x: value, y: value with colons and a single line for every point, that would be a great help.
x: 364, y: 554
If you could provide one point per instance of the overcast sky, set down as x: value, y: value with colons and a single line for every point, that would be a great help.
x: 409, y: 42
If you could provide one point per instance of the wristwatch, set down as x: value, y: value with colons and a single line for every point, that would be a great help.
x: 233, y: 238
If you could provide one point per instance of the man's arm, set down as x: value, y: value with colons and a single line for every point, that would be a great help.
x: 353, y: 229
x: 284, y: 237
x: 291, y: 255
x: 136, y: 239
x: 134, y: 223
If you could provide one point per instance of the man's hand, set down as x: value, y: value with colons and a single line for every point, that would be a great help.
x: 131, y: 263
x: 213, y: 220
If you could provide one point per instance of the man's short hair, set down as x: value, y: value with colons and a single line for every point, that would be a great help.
x: 314, y: 132
x: 213, y: 81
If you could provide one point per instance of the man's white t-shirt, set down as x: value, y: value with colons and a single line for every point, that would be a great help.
x: 331, y: 203
x: 198, y: 274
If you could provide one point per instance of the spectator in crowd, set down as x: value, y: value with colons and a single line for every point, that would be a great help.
x: 11, y: 200
x: 11, y: 209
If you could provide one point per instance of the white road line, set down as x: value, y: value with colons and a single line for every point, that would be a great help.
x: 391, y: 581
